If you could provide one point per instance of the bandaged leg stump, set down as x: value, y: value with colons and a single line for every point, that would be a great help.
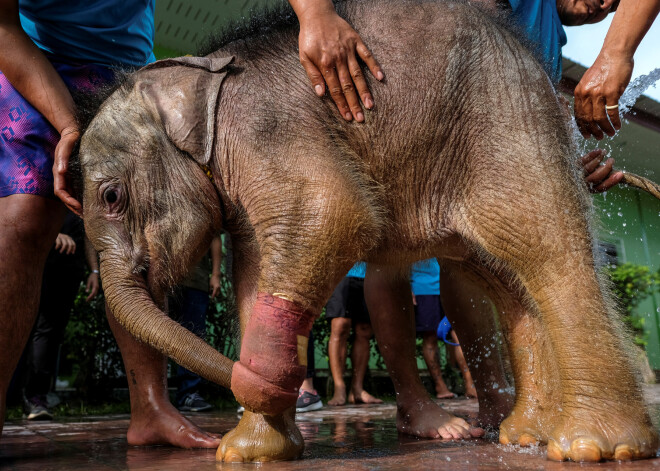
x: 273, y: 358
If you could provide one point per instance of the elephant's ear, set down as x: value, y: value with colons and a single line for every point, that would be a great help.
x: 183, y: 92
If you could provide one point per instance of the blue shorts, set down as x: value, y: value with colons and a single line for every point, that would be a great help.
x: 27, y: 140
x: 428, y: 312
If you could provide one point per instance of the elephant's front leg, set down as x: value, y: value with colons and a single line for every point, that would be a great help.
x: 391, y: 311
x: 298, y: 266
x: 257, y: 437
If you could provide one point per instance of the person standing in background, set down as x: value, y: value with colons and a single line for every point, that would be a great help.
x: 347, y: 308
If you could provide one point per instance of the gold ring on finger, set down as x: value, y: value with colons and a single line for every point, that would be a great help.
x: 611, y: 107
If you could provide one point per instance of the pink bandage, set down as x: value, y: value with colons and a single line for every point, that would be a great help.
x: 273, y: 358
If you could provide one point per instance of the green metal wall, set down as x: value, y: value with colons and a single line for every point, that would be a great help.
x: 630, y: 219
x: 182, y: 25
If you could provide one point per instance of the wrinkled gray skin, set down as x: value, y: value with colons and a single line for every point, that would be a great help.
x: 466, y: 158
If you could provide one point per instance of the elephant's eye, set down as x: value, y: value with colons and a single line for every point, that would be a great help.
x: 111, y: 196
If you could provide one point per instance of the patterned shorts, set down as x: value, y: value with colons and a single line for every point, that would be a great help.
x: 27, y: 140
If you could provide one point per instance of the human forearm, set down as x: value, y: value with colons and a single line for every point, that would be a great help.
x: 305, y: 8
x: 216, y: 255
x: 631, y: 22
x: 28, y: 70
x: 91, y: 256
x: 598, y: 92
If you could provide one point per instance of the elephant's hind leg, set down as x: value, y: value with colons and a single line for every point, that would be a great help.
x: 602, y: 413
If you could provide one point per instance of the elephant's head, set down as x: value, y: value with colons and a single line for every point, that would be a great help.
x: 150, y: 209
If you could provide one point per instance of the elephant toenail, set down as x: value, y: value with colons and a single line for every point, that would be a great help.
x: 585, y: 450
x: 554, y: 452
x: 527, y: 439
x: 623, y: 453
x: 232, y: 456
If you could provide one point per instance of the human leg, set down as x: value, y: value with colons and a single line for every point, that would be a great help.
x: 388, y: 299
x: 29, y: 226
x: 154, y: 420
x: 457, y: 353
x: 308, y: 383
x: 360, y: 361
x: 61, y: 279
x: 428, y: 313
x: 430, y: 353
x: 340, y: 328
x: 308, y: 398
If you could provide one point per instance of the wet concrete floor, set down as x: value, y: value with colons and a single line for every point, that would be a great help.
x: 351, y: 438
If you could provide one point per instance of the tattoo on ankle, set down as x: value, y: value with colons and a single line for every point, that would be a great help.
x: 133, y: 376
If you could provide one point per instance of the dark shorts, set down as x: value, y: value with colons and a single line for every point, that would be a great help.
x: 27, y: 140
x: 428, y: 312
x: 348, y: 301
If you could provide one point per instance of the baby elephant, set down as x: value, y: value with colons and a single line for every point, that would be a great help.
x: 466, y: 158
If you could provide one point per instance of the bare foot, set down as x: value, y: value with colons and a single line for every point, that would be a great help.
x: 339, y: 397
x: 166, y: 426
x: 362, y: 397
x: 449, y: 395
x: 443, y: 392
x: 471, y: 391
x: 425, y: 419
x: 259, y: 438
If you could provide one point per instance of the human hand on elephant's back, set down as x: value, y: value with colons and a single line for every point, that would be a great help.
x: 329, y: 50
x: 599, y: 177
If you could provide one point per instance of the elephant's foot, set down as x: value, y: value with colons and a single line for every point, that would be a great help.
x: 425, y: 419
x: 166, y: 426
x: 529, y: 424
x: 262, y: 438
x: 596, y: 434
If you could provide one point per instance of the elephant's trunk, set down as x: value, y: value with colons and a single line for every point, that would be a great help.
x: 134, y: 308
